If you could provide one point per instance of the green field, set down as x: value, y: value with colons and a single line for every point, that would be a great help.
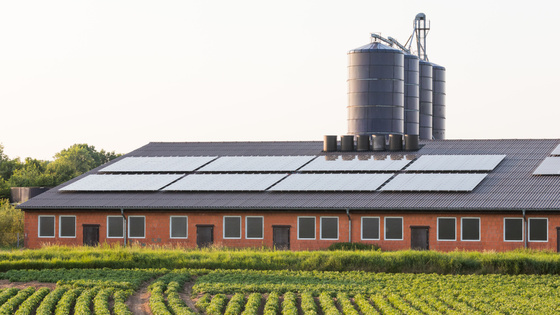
x: 219, y: 289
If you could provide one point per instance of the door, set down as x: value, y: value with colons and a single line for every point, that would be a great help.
x: 558, y: 239
x: 204, y: 235
x: 91, y: 234
x: 419, y: 237
x: 281, y: 237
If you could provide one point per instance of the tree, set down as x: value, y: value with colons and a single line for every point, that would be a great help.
x: 32, y: 173
x: 11, y: 223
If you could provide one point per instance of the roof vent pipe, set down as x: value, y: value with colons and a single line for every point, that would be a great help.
x: 395, y: 142
x: 378, y: 142
x: 329, y: 143
x: 363, y: 142
x: 411, y: 142
x: 347, y: 143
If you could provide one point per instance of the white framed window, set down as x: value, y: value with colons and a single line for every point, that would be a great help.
x: 232, y: 227
x: 329, y: 228
x: 394, y: 228
x: 370, y: 228
x: 46, y: 226
x: 470, y: 229
x: 178, y: 226
x: 306, y: 228
x: 538, y: 229
x: 446, y: 229
x: 67, y: 226
x: 513, y: 229
x: 254, y: 227
x: 136, y: 226
x: 115, y: 226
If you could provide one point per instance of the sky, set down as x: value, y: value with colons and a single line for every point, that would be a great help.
x: 120, y: 74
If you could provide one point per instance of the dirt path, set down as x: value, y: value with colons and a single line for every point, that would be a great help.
x: 187, y: 293
x: 138, y: 302
x: 4, y: 284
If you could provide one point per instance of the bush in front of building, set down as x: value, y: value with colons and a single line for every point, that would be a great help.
x: 353, y: 246
x: 11, y: 223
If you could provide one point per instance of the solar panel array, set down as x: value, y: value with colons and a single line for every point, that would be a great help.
x: 331, y: 182
x: 159, y: 164
x: 128, y: 182
x: 456, y: 163
x: 297, y: 173
x: 556, y: 150
x: 434, y: 182
x: 327, y: 164
x: 225, y: 182
x: 549, y: 166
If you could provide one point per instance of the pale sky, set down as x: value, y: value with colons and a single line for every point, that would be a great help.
x: 119, y: 74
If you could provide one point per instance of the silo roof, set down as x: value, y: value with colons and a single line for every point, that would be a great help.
x: 374, y: 46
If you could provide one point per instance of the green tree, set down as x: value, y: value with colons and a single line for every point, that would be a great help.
x: 11, y: 223
x: 7, y: 166
x: 33, y: 173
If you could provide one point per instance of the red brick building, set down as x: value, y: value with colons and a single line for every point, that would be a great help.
x: 450, y: 194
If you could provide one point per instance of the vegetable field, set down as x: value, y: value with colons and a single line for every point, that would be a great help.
x: 249, y: 292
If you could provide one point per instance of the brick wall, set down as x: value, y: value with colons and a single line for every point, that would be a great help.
x: 158, y: 232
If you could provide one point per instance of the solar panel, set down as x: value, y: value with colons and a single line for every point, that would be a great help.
x: 136, y: 182
x: 157, y: 164
x: 434, y: 182
x: 456, y: 163
x: 556, y: 150
x: 225, y: 182
x: 549, y: 166
x: 331, y: 182
x: 256, y: 163
x: 362, y: 163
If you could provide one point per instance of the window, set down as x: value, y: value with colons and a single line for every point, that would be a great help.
x: 370, y: 228
x: 67, y: 226
x: 513, y: 229
x: 329, y: 228
x: 46, y: 226
x: 115, y: 227
x: 136, y: 226
x: 178, y: 227
x: 394, y: 228
x: 254, y: 227
x: 446, y: 229
x: 306, y: 228
x: 538, y: 230
x: 470, y: 229
x: 232, y: 227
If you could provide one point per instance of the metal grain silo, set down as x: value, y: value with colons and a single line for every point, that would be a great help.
x: 411, y: 95
x: 375, y: 90
x: 426, y: 97
x: 438, y: 102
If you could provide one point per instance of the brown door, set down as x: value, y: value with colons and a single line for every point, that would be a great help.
x: 419, y: 237
x: 91, y: 234
x: 204, y: 235
x: 281, y: 237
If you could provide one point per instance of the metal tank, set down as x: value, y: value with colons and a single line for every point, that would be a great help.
x: 375, y: 90
x: 411, y: 95
x: 438, y: 81
x: 426, y: 97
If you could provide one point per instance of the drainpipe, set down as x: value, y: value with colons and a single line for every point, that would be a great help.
x: 524, y: 228
x: 349, y: 226
x: 124, y: 226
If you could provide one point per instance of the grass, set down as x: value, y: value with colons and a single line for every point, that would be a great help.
x: 457, y: 262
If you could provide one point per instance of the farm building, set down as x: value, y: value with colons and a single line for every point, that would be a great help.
x: 449, y: 194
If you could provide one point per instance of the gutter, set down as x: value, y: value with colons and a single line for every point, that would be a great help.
x: 349, y: 226
x: 124, y: 226
x: 524, y: 228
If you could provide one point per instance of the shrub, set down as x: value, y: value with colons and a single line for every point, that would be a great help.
x: 353, y: 246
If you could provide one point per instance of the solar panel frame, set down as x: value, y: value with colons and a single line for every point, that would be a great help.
x: 331, y: 182
x: 471, y: 163
x: 157, y: 164
x: 324, y: 164
x: 225, y: 182
x: 549, y: 166
x: 122, y: 182
x: 434, y: 182
x: 556, y: 151
x: 257, y: 163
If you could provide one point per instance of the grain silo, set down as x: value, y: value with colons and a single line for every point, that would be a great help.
x: 438, y: 102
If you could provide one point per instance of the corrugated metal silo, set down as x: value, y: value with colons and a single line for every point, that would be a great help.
x: 375, y: 90
x: 438, y: 102
x: 411, y: 95
x: 426, y: 97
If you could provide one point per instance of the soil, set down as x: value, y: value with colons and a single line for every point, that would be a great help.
x: 138, y: 302
x: 4, y: 284
x: 186, y: 295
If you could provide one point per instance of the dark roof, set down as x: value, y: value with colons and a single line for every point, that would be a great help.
x: 511, y: 186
